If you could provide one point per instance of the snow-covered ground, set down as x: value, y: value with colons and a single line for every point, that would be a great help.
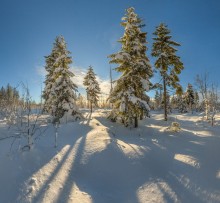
x: 98, y: 161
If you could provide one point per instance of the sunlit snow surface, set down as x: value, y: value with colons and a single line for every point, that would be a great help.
x: 98, y: 161
x: 186, y: 159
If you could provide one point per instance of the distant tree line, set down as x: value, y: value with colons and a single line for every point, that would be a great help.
x: 10, y: 100
x: 201, y: 98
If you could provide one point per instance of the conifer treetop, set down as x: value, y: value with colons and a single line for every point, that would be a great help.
x: 168, y: 63
x: 133, y: 50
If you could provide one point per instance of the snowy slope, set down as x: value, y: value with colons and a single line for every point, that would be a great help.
x: 99, y: 161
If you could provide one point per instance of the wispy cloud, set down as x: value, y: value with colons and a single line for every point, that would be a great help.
x: 80, y: 73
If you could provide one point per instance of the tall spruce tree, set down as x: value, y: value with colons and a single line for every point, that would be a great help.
x: 190, y: 97
x: 128, y: 95
x: 59, y: 92
x: 92, y: 87
x: 167, y: 62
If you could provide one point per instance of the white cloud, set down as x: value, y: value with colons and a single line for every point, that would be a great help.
x: 80, y: 73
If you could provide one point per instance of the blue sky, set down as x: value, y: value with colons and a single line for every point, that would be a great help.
x: 91, y: 29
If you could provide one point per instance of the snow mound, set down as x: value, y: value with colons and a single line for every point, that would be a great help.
x: 174, y: 127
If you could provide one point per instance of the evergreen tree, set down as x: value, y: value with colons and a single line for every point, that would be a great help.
x: 92, y: 87
x: 2, y: 92
x: 9, y: 93
x: 182, y: 103
x: 167, y: 62
x: 190, y: 97
x: 157, y: 100
x: 60, y: 91
x: 128, y: 96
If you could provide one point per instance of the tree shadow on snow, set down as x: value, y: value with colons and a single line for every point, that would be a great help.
x: 182, y: 166
x: 71, y: 137
x: 186, y: 162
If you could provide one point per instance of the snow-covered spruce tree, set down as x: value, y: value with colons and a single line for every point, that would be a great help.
x: 167, y: 62
x: 92, y: 87
x: 190, y: 97
x: 129, y: 99
x: 60, y: 92
x: 181, y: 103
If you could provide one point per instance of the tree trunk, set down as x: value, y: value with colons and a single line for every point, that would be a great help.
x: 91, y: 106
x: 135, y: 121
x: 165, y: 98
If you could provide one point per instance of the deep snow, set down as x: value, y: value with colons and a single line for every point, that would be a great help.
x: 98, y: 161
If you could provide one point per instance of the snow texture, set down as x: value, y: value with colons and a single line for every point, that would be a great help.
x: 99, y: 161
